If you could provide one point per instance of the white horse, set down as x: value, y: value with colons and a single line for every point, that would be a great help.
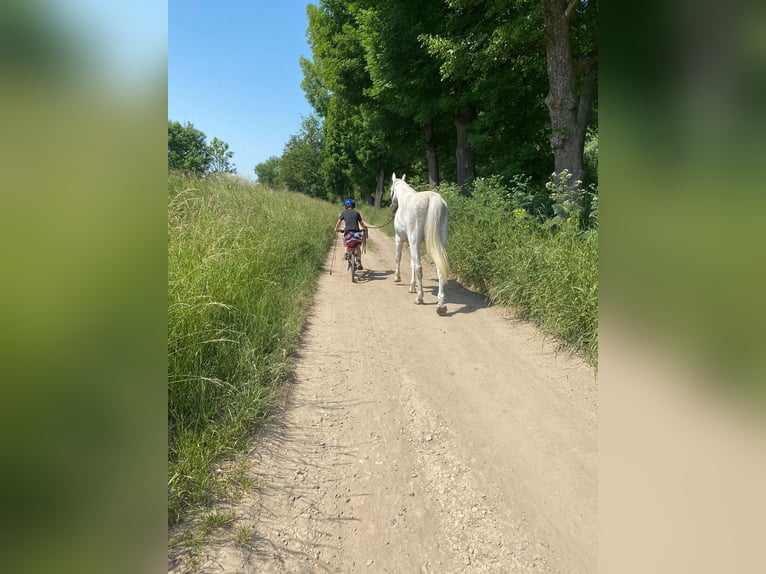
x: 420, y: 216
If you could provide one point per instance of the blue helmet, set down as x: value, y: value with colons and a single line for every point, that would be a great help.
x: 349, y: 203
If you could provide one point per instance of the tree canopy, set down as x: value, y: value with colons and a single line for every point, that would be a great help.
x: 440, y: 89
x: 220, y: 156
x: 188, y: 150
x: 445, y: 90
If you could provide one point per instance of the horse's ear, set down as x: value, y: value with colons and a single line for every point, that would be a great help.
x: 403, y: 176
x: 393, y: 176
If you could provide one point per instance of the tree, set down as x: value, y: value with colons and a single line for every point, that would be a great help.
x: 361, y: 135
x: 268, y: 171
x: 493, y: 49
x: 405, y: 77
x: 572, y: 81
x: 301, y: 163
x: 187, y: 149
x: 335, y: 83
x: 220, y: 156
x: 394, y: 78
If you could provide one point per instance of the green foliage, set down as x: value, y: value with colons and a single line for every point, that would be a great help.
x: 533, y: 199
x: 301, y: 163
x: 362, y: 133
x: 242, y: 264
x: 572, y: 202
x: 474, y: 224
x: 404, y: 77
x: 551, y: 278
x: 547, y: 273
x: 220, y: 156
x: 268, y: 171
x: 187, y: 149
x: 508, y: 197
x: 492, y: 56
x: 243, y: 535
x: 389, y: 78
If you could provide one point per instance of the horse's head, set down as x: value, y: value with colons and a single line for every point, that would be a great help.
x: 394, y: 199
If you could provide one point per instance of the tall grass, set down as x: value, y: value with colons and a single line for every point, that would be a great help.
x: 242, y: 265
x: 552, y: 279
x: 547, y: 271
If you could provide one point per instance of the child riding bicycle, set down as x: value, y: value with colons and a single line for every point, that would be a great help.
x: 354, y: 231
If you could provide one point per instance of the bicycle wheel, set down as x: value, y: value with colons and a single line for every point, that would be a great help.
x: 352, y: 265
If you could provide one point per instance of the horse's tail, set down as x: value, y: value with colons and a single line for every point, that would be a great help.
x: 436, y: 233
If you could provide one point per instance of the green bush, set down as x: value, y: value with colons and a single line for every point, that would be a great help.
x: 546, y: 269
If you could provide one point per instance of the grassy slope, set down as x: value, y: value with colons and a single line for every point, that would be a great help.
x: 242, y: 265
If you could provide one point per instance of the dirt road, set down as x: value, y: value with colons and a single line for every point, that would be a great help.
x: 416, y: 443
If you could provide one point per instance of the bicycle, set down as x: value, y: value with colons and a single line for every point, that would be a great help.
x: 353, y: 262
x: 353, y: 256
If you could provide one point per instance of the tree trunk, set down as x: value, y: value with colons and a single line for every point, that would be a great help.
x: 379, y: 188
x: 463, y: 152
x: 567, y: 134
x: 433, y: 160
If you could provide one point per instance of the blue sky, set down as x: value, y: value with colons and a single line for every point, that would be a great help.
x: 234, y: 72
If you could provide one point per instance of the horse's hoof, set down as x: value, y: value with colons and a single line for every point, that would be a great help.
x: 412, y: 290
x: 397, y: 280
x: 441, y: 311
x: 418, y: 301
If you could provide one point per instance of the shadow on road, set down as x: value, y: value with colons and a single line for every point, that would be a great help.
x: 462, y: 300
x: 371, y: 275
x: 458, y: 298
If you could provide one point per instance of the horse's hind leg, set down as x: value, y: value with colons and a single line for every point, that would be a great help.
x: 416, y: 283
x: 441, y: 308
x: 419, y: 271
x: 398, y: 257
